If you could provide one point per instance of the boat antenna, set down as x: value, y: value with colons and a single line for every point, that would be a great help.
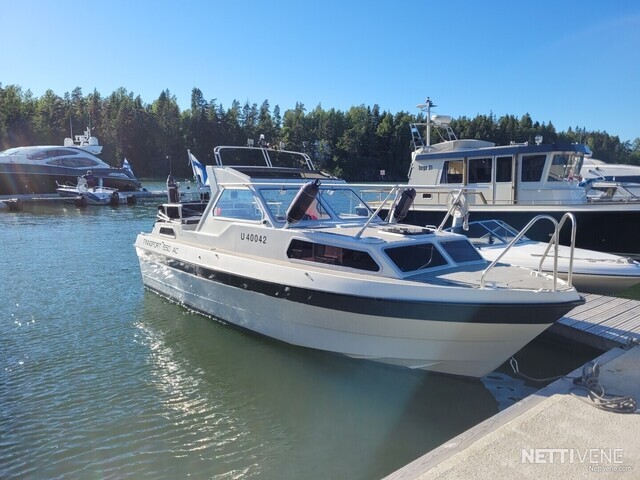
x: 427, y: 106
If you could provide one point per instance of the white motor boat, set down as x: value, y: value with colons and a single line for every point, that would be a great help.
x: 593, y: 272
x: 82, y: 194
x: 593, y: 169
x: 612, y: 181
x: 516, y: 182
x: 292, y: 254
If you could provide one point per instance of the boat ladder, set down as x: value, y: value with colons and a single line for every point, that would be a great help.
x: 552, y: 243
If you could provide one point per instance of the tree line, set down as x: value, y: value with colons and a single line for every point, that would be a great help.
x: 356, y: 144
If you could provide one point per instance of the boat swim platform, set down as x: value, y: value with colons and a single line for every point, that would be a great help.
x: 602, y: 322
x: 556, y: 432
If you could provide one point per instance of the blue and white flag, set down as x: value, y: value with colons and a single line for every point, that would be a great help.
x: 199, y: 172
x: 127, y: 166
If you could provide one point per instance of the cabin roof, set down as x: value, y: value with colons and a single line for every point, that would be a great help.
x: 468, y: 150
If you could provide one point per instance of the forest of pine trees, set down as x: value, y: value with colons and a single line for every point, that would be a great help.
x: 354, y: 144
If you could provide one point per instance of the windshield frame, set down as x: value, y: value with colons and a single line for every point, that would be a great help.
x: 334, y: 203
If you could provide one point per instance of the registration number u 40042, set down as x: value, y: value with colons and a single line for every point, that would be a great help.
x: 253, y: 237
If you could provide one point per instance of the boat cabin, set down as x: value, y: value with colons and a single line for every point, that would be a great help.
x: 497, y: 175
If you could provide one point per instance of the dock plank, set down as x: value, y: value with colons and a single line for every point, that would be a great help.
x: 602, y: 321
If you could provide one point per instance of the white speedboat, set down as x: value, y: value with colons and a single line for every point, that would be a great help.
x: 292, y: 254
x: 593, y: 272
x: 41, y: 169
x: 593, y: 169
x: 516, y: 182
x: 83, y: 194
x: 612, y: 181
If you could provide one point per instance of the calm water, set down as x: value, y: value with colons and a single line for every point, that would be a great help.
x: 102, y: 379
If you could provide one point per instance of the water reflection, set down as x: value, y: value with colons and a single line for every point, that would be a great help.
x: 253, y: 405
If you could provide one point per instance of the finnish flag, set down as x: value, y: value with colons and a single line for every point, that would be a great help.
x: 199, y: 172
x: 127, y: 166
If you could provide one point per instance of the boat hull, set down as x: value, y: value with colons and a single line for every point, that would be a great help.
x: 17, y: 179
x: 467, y: 340
x: 96, y: 196
x: 601, y: 284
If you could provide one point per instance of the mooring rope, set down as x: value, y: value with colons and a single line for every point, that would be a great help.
x: 595, y: 391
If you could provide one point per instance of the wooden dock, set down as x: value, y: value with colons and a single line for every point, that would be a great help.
x: 602, y: 322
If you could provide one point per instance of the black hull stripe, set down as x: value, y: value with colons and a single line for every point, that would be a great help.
x: 437, y: 311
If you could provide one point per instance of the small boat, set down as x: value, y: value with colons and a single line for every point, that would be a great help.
x: 86, y: 193
x: 43, y: 168
x: 593, y: 272
x: 288, y: 252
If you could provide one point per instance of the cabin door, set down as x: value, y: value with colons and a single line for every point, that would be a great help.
x: 504, y: 180
x: 480, y: 180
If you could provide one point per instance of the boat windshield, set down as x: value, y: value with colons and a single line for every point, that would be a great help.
x: 331, y: 203
x: 344, y: 202
x: 565, y: 167
x: 489, y: 232
x: 262, y: 157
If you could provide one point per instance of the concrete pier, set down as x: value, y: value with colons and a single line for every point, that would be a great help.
x: 554, y: 433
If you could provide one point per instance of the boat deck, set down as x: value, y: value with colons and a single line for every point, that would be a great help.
x: 500, y: 276
x: 602, y: 322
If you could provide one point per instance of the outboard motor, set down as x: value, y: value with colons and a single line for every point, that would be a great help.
x: 172, y: 190
x: 303, y: 199
x: 80, y: 201
x: 403, y: 205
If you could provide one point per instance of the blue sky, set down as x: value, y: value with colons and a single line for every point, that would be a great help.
x: 574, y: 63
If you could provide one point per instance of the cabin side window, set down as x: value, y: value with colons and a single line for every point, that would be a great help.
x: 409, y: 258
x: 532, y: 167
x: 331, y: 255
x: 504, y: 167
x: 50, y: 153
x: 452, y: 171
x: 73, y: 162
x: 479, y: 170
x: 238, y: 204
